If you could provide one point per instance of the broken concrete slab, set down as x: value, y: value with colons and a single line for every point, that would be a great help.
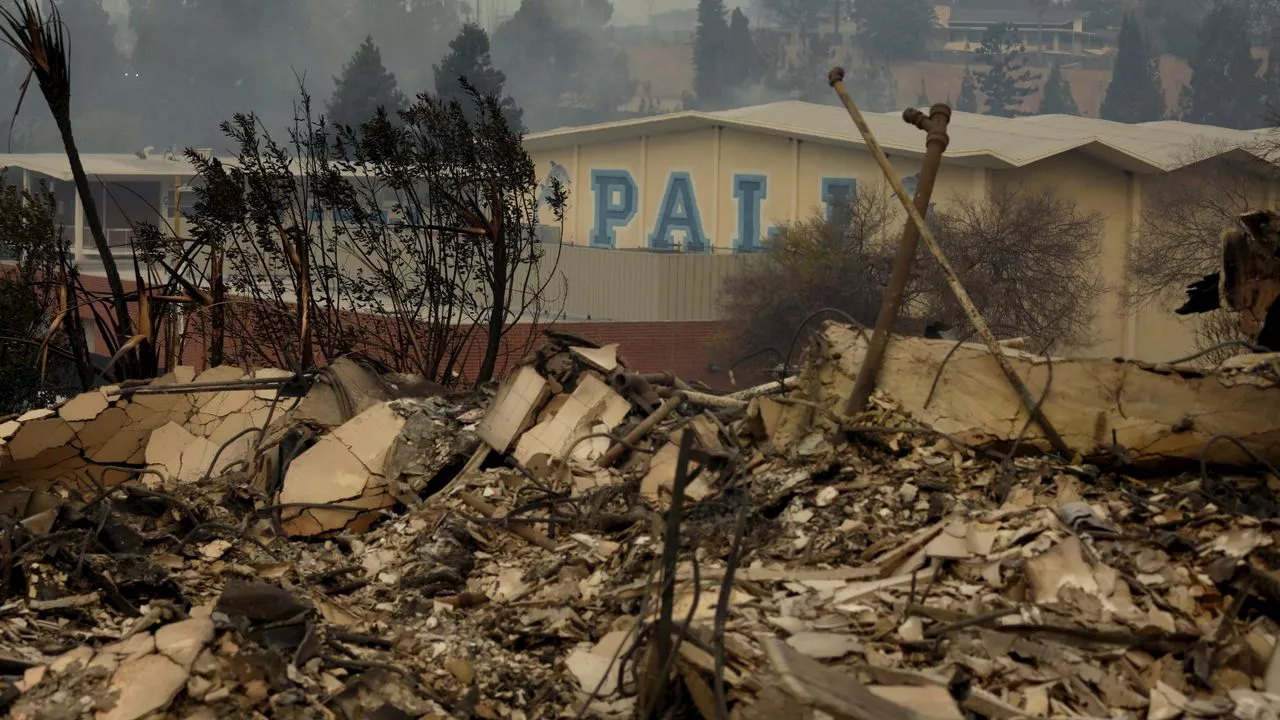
x: 85, y: 406
x: 146, y: 685
x: 519, y: 397
x: 603, y: 359
x: 1152, y: 413
x: 182, y: 641
x: 343, y: 468
x: 591, y: 402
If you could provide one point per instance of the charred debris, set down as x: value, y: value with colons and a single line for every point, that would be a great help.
x: 906, y: 528
x: 588, y: 541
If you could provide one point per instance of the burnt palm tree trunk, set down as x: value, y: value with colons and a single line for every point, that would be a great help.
x: 123, y: 322
x: 41, y: 43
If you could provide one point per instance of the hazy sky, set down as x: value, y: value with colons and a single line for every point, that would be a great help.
x: 624, y: 13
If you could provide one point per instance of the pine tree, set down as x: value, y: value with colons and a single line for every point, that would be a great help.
x: 1225, y: 89
x: 469, y: 58
x: 710, y: 54
x: 968, y: 100
x: 562, y: 63
x: 366, y: 85
x: 1134, y: 94
x: 1057, y: 99
x: 873, y: 86
x: 1007, y: 81
x: 744, y: 63
x: 894, y: 29
x: 806, y: 78
x: 922, y: 100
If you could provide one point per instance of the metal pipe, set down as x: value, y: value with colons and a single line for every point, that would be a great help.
x: 659, y: 378
x: 218, y: 386
x: 706, y: 399
x: 637, y: 433
x: 836, y: 79
x: 770, y: 388
x: 936, y: 142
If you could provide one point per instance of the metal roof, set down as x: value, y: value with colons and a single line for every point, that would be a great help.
x: 976, y: 140
x: 55, y: 165
x: 984, y: 16
x: 122, y: 165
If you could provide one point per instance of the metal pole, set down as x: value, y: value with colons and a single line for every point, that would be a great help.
x: 936, y: 127
x: 836, y: 80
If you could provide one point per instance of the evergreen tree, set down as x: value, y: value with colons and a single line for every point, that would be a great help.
x: 711, y: 54
x: 562, y: 63
x: 802, y: 15
x: 806, y: 78
x: 1134, y: 94
x: 406, y: 30
x: 1225, y: 89
x: 894, y: 29
x: 968, y: 100
x: 469, y: 59
x: 366, y: 85
x: 1173, y: 25
x: 1007, y: 81
x: 873, y: 86
x: 1057, y: 99
x: 922, y: 100
x: 744, y: 63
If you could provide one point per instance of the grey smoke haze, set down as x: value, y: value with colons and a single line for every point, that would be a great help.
x: 166, y: 72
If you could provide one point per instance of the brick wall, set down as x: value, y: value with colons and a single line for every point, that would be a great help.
x: 688, y: 349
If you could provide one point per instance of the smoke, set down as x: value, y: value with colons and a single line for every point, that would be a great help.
x: 168, y: 72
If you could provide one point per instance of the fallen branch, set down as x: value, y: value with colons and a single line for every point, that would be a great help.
x: 521, y: 529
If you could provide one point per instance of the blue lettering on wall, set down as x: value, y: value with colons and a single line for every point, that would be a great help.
x: 910, y: 183
x: 679, y: 212
x: 838, y: 194
x: 615, y: 193
x: 750, y: 190
x: 558, y: 173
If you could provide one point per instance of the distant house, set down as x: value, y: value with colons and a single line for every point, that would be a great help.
x: 1051, y: 30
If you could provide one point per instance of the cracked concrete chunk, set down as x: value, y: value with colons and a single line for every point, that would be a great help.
x: 37, y: 414
x: 233, y: 425
x: 222, y: 373
x: 1061, y: 567
x: 825, y: 645
x: 78, y: 656
x: 370, y: 435
x: 344, y: 468
x: 604, y: 359
x: 591, y: 402
x: 182, y: 641
x: 146, y: 685
x: 326, y: 473
x: 39, y: 435
x: 522, y: 393
x: 1090, y: 400
x: 166, y: 447
x: 270, y: 374
x: 85, y: 406
x: 197, y: 457
x: 131, y: 648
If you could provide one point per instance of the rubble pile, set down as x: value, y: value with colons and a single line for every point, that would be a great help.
x: 588, y: 541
